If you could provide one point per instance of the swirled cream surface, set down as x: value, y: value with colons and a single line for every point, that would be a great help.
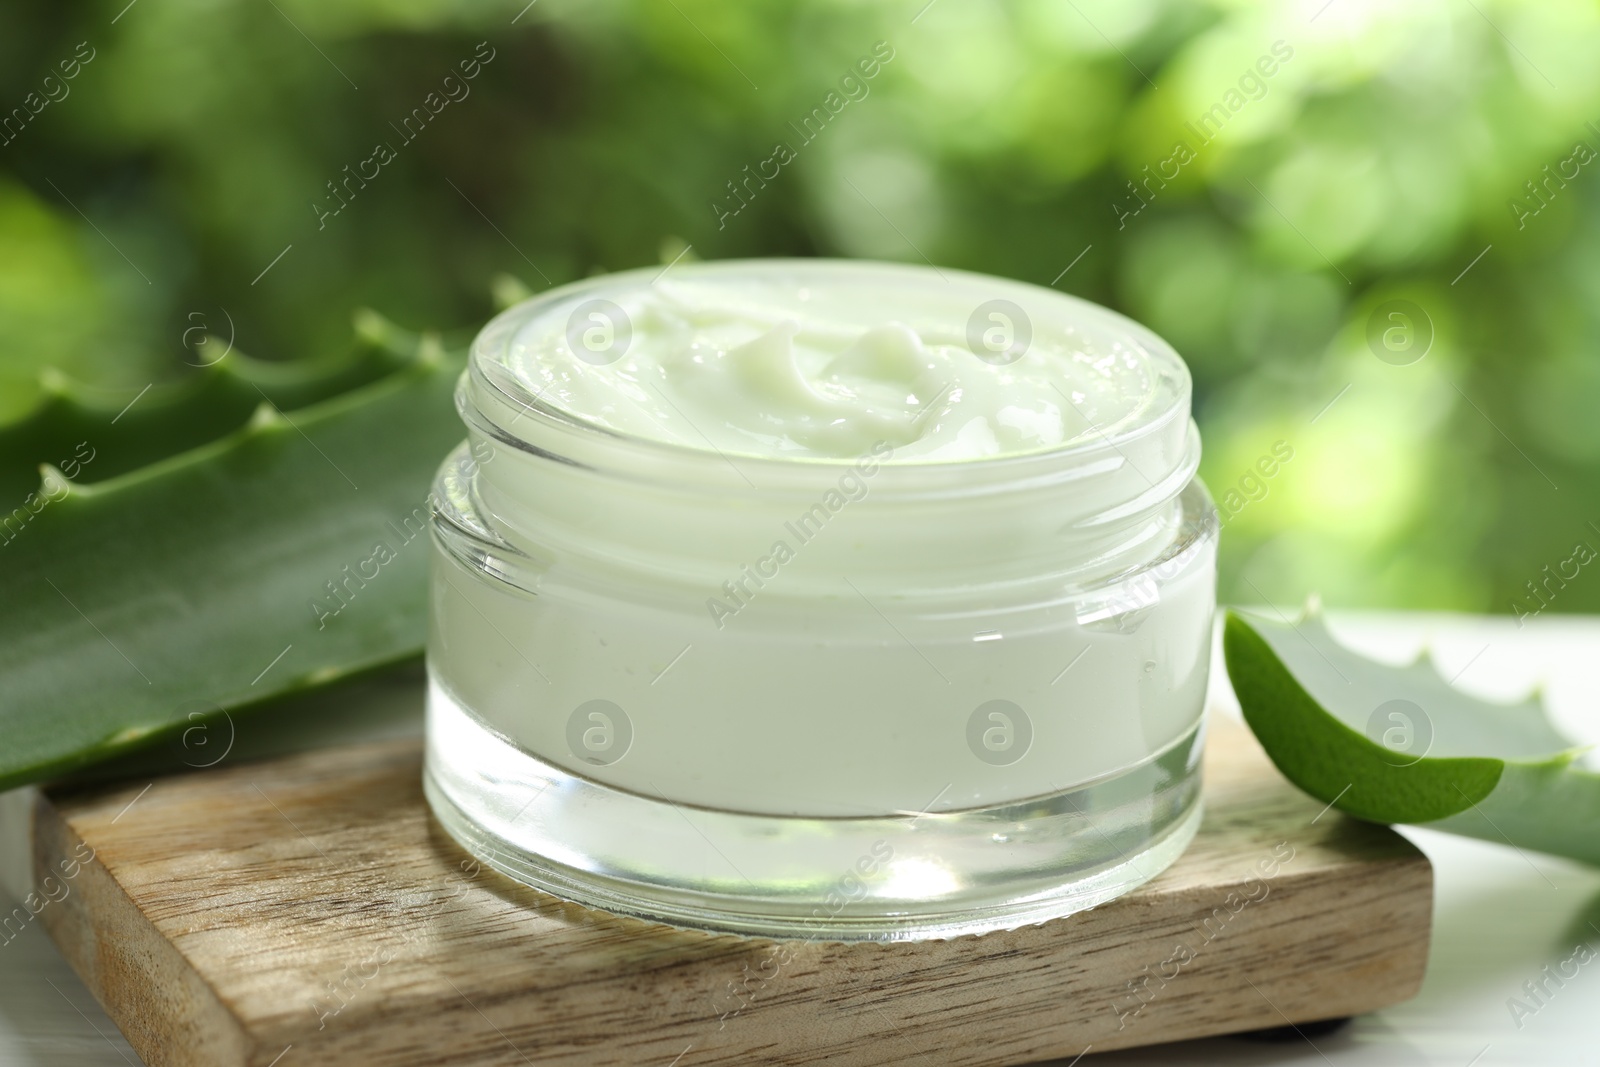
x: 823, y: 359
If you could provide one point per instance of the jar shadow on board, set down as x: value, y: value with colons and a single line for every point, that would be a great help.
x: 821, y: 599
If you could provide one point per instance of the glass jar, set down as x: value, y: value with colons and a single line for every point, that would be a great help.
x: 852, y: 698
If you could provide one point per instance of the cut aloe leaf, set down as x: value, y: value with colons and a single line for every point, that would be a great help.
x: 92, y: 435
x: 280, y: 558
x: 1400, y: 745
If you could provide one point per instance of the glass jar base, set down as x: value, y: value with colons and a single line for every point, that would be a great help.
x: 898, y: 877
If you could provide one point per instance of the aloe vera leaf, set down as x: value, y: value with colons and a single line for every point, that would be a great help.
x: 1400, y: 745
x: 382, y: 704
x: 94, y: 434
x: 187, y: 587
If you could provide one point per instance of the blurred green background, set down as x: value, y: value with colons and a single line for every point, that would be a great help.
x: 179, y: 179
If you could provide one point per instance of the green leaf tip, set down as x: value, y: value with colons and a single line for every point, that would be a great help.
x: 373, y: 327
x: 266, y: 417
x: 1401, y: 745
x: 54, y: 485
x: 1329, y: 759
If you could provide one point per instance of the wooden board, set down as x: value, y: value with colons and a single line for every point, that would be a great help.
x: 310, y: 911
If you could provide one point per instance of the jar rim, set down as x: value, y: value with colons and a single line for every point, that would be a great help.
x: 496, y: 401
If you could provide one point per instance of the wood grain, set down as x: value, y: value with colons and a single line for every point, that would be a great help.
x: 310, y: 909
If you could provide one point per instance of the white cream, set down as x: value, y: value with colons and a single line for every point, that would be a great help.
x: 795, y: 362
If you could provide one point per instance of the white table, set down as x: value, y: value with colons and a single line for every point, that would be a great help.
x: 1500, y: 916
